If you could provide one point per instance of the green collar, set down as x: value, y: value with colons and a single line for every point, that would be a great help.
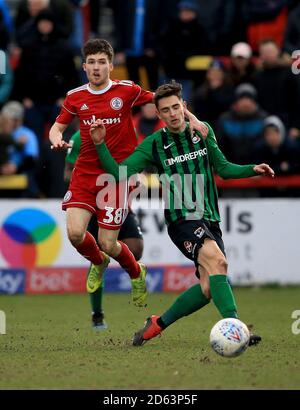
x: 180, y: 134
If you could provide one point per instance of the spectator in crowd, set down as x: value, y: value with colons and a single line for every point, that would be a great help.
x: 278, y: 88
x: 146, y: 122
x: 276, y: 148
x: 45, y: 73
x: 6, y: 26
x: 50, y: 171
x: 241, y: 127
x: 6, y: 82
x: 281, y: 153
x: 137, y: 28
x: 183, y: 38
x: 215, y: 95
x: 8, y: 146
x: 82, y: 24
x: 96, y: 7
x: 264, y: 19
x: 222, y: 21
x: 241, y: 67
x: 28, y: 10
x: 292, y: 33
x: 24, y: 159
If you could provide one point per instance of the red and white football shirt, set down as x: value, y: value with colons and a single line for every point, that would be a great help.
x: 113, y: 106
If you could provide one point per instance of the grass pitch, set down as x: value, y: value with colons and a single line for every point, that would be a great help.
x: 49, y: 344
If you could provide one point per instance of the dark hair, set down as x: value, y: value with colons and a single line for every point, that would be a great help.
x: 98, y: 45
x: 166, y: 90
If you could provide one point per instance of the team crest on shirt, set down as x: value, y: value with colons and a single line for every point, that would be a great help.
x: 68, y: 196
x: 199, y: 232
x: 188, y: 246
x: 116, y: 103
x: 195, y: 138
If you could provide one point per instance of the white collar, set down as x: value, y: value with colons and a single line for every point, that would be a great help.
x: 100, y: 91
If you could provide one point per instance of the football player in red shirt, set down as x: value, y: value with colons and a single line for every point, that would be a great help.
x: 111, y: 101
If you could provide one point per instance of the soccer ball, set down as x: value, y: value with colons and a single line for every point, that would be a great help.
x: 229, y: 337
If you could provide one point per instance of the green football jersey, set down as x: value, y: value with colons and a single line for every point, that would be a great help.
x: 73, y: 152
x: 186, y: 166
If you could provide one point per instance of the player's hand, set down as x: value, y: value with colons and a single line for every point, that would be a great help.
x: 264, y: 169
x: 59, y: 144
x: 195, y: 124
x: 98, y: 132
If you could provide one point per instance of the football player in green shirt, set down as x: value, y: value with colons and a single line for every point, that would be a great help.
x: 192, y: 221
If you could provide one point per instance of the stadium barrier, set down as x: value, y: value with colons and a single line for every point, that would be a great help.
x: 289, y: 181
x: 260, y: 235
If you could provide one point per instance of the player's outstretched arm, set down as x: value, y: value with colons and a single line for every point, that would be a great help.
x: 228, y: 170
x: 264, y: 169
x: 56, y: 137
x: 135, y: 163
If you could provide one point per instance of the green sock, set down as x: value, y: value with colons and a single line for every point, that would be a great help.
x: 222, y: 295
x: 96, y: 300
x: 188, y: 302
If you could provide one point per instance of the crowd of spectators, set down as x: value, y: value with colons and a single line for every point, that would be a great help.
x: 248, y: 92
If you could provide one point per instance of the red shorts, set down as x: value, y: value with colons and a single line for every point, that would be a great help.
x: 95, y: 193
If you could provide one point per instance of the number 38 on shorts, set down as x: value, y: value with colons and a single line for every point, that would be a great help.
x: 112, y: 217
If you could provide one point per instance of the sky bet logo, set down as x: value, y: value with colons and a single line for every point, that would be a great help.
x: 104, y: 120
x: 186, y: 157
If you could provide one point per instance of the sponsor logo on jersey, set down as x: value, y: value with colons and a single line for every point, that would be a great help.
x: 68, y: 196
x: 84, y: 107
x: 185, y: 157
x: 199, y: 232
x: 116, y: 103
x: 106, y: 121
x: 188, y: 246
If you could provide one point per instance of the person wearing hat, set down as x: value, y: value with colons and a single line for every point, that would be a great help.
x: 24, y: 159
x: 277, y: 87
x: 28, y: 10
x: 276, y: 148
x: 241, y: 67
x: 188, y: 6
x: 241, y: 126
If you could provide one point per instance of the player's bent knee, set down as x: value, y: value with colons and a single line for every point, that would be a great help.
x: 217, y: 265
x: 75, y: 237
x: 221, y: 265
x: 107, y: 246
x: 213, y: 262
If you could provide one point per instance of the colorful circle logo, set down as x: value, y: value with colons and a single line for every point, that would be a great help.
x: 30, y: 237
